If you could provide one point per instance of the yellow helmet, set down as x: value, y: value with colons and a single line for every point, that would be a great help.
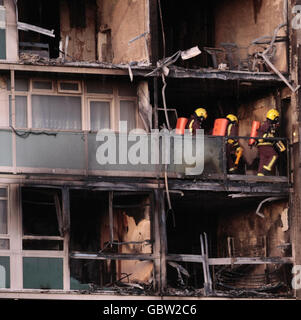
x: 273, y: 114
x: 201, y: 112
x: 232, y: 118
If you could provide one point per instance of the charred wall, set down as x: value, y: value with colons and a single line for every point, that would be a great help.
x: 122, y: 21
x: 241, y: 22
x: 78, y: 23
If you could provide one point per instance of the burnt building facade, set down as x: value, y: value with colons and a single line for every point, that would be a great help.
x: 70, y: 222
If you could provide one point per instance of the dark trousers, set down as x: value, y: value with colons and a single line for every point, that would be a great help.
x: 231, y: 157
x: 267, y: 158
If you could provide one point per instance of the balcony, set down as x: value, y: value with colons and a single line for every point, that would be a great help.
x: 75, y: 153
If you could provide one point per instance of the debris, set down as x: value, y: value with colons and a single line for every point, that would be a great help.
x: 180, y: 270
x: 190, y: 53
x: 223, y: 66
x: 29, y: 27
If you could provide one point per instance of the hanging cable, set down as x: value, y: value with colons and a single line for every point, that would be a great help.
x: 162, y: 28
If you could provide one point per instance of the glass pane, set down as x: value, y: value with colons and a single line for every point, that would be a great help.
x: 4, y: 244
x: 99, y: 115
x: 39, y: 212
x: 42, y: 85
x: 42, y: 273
x: 3, y: 217
x: 99, y: 87
x: 56, y: 112
x: 3, y: 192
x: 69, y: 86
x: 21, y: 111
x: 20, y: 85
x: 128, y: 113
x: 127, y: 90
x: 56, y: 245
x: 4, y: 272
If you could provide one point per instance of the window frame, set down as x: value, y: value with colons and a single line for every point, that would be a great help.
x: 53, y: 129
x: 34, y: 90
x: 135, y: 101
x: 112, y: 116
x: 60, y: 90
x: 113, y: 98
x: 7, y: 236
x: 28, y: 101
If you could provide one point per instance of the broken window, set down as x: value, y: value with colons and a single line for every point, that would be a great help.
x: 56, y: 112
x: 98, y: 275
x: 42, y: 219
x: 109, y: 225
x: 44, y: 14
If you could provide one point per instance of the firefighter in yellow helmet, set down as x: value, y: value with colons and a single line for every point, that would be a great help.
x: 197, y: 120
x: 233, y: 149
x: 268, y: 154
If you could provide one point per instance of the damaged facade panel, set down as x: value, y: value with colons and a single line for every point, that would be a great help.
x: 119, y: 22
x: 259, y: 21
x: 71, y: 224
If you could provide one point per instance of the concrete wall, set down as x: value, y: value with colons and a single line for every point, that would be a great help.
x: 11, y: 32
x: 126, y: 19
x: 82, y: 42
x: 238, y: 21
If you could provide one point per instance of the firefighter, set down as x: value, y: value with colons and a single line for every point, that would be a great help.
x: 267, y: 149
x: 197, y: 120
x: 233, y: 149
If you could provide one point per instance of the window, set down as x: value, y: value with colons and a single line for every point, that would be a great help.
x: 3, y: 212
x: 42, y: 273
x: 20, y: 85
x: 99, y: 115
x: 21, y: 112
x: 4, y: 272
x: 56, y: 112
x: 42, y: 219
x: 4, y: 240
x: 69, y: 86
x: 42, y: 85
x: 2, y: 32
x: 102, y: 87
x: 128, y: 113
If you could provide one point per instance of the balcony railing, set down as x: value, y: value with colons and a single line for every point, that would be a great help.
x: 75, y: 153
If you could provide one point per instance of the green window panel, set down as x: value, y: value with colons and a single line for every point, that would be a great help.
x: 4, y: 273
x: 42, y: 273
x: 2, y: 44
